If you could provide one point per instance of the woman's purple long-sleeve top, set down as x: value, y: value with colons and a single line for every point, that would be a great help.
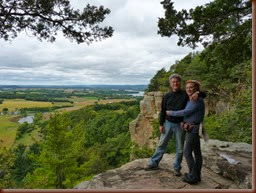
x: 193, y: 113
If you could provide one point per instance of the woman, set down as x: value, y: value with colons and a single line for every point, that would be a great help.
x: 193, y: 114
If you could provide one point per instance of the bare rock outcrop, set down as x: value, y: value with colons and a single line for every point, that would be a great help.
x: 230, y: 160
x: 232, y: 171
x: 141, y: 128
x: 133, y: 176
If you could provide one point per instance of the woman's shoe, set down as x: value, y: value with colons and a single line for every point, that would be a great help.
x: 187, y: 176
x: 190, y: 181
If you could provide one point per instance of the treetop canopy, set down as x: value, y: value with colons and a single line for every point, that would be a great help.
x: 44, y: 18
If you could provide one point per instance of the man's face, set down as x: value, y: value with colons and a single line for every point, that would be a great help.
x: 175, y: 84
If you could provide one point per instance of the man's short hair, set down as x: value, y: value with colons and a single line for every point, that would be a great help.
x: 177, y: 76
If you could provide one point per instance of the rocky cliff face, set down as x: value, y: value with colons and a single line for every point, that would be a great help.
x: 142, y: 127
x: 225, y: 166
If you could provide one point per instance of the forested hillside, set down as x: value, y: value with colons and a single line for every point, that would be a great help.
x: 74, y: 147
x: 224, y: 67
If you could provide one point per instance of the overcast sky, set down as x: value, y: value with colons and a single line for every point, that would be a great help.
x: 132, y: 55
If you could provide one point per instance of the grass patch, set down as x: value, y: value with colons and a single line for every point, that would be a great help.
x: 61, y: 103
x: 91, y: 98
x: 14, y: 104
x: 28, y: 138
x: 82, y: 99
x: 8, y: 130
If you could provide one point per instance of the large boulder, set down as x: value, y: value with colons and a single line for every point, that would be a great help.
x: 230, y: 160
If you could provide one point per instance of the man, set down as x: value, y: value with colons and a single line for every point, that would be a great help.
x: 174, y: 100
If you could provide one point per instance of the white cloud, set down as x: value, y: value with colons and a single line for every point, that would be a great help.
x: 132, y: 56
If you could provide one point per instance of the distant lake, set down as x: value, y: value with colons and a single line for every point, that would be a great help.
x: 28, y: 119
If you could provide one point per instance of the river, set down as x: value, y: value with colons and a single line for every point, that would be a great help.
x: 140, y: 93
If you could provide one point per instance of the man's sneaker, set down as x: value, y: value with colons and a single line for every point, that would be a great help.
x: 177, y: 173
x: 149, y: 168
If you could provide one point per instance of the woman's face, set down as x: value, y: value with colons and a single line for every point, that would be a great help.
x: 190, y: 89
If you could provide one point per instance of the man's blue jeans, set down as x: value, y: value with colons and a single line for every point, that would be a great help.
x: 179, y: 134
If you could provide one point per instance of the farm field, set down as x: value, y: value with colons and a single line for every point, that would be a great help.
x: 80, y: 99
x: 13, y: 104
x: 79, y: 102
x: 82, y: 102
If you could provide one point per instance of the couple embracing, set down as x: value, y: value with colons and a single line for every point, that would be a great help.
x: 181, y: 115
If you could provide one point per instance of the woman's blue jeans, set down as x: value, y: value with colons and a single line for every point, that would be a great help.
x: 179, y: 134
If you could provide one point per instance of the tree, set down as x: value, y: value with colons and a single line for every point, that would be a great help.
x: 6, y: 164
x: 57, y: 162
x: 23, y: 112
x: 224, y: 28
x: 44, y: 18
x: 5, y: 110
x: 158, y: 81
x: 21, y: 163
x: 38, y: 117
x: 213, y: 22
